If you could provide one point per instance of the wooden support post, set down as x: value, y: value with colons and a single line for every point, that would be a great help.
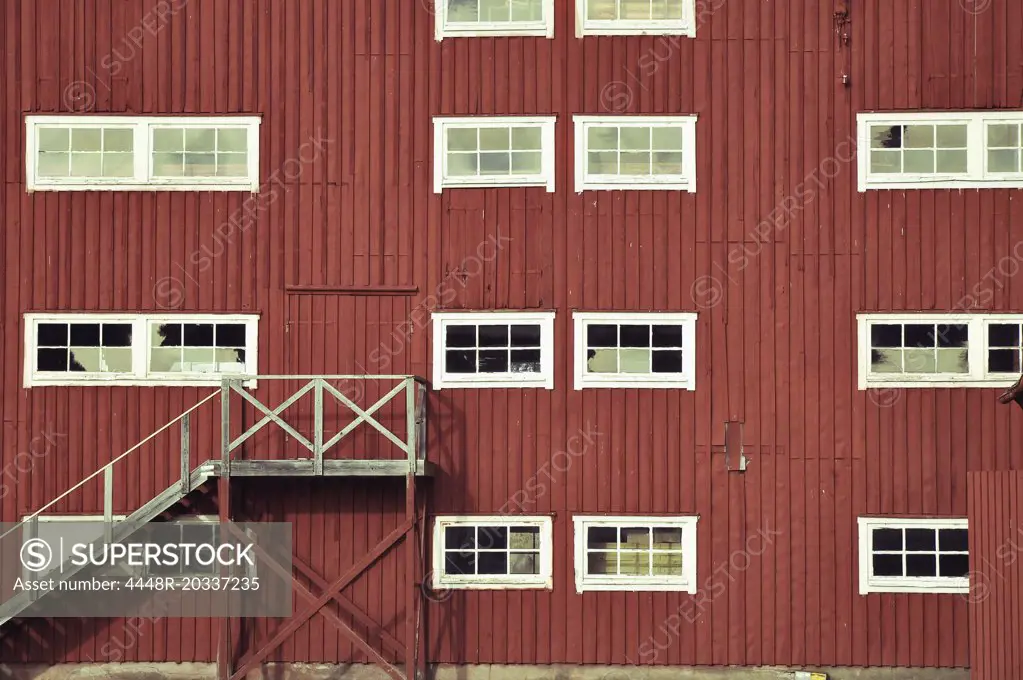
x: 318, y: 428
x: 186, y: 454
x: 108, y: 503
x: 224, y: 666
x: 412, y: 586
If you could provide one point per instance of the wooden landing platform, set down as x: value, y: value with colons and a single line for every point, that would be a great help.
x: 304, y: 467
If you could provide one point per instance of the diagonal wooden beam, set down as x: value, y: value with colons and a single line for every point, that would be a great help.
x: 366, y: 416
x: 273, y: 415
x: 350, y: 607
x: 299, y: 619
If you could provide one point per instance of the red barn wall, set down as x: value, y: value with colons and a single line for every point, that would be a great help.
x: 776, y: 333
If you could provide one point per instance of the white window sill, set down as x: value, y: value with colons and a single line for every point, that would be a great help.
x: 635, y: 186
x: 135, y: 382
x: 636, y: 586
x: 150, y: 186
x: 448, y: 184
x: 496, y: 584
x: 475, y: 31
x: 993, y: 383
x: 946, y: 586
x: 963, y: 184
x: 449, y: 384
x: 613, y: 28
x: 590, y: 384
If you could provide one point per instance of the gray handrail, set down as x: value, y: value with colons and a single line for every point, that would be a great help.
x: 107, y: 472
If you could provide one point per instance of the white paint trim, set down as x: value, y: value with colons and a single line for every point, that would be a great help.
x: 977, y: 352
x: 546, y: 177
x: 682, y: 381
x: 543, y: 580
x: 143, y: 179
x: 490, y: 29
x: 685, y: 27
x: 544, y: 379
x: 976, y: 176
x: 686, y: 583
x: 140, y: 375
x: 904, y: 584
x: 684, y: 182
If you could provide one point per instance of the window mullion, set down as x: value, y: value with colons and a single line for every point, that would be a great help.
x: 975, y: 149
x: 976, y: 352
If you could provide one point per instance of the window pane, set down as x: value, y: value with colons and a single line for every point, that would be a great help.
x: 919, y: 335
x: 1002, y: 136
x: 669, y: 564
x: 602, y: 563
x: 886, y: 137
x: 86, y: 139
x: 634, y: 163
x: 52, y: 359
x: 920, y: 539
x: 918, y: 161
x: 601, y: 537
x: 635, y: 335
x: 495, y: 163
x: 526, y: 163
x: 602, y: 163
x: 463, y: 10
x: 1004, y: 361
x: 460, y: 563
x: 918, y: 137
x: 919, y: 361
x: 602, y: 361
x: 200, y: 139
x: 492, y: 563
x: 460, y: 361
x: 953, y: 361
x: 462, y: 139
x: 495, y: 139
x: 887, y: 565
x: 168, y: 139
x: 460, y: 537
x: 665, y: 163
x: 525, y: 538
x: 525, y: 361
x: 921, y: 565
x: 953, y: 539
x: 886, y: 361
x: 1003, y: 335
x: 601, y: 10
x: 86, y: 334
x: 602, y: 335
x: 493, y: 361
x: 493, y: 336
x: 460, y: 336
x: 492, y: 538
x: 954, y: 566
x: 887, y: 539
x: 200, y: 165
x: 635, y: 139
x: 494, y: 10
x: 951, y: 136
x: 601, y: 138
x: 635, y: 537
x: 232, y: 165
x: 52, y: 335
x: 232, y: 139
x: 634, y: 360
x: 953, y: 335
x: 667, y: 537
x: 667, y: 361
x: 118, y: 140
x: 198, y: 335
x: 523, y: 564
x: 526, y: 139
x: 86, y: 165
x: 116, y: 335
x: 952, y: 161
x: 54, y: 139
x: 667, y: 336
x: 1003, y: 160
x: 525, y: 336
x: 882, y: 162
x: 54, y: 165
x: 118, y: 165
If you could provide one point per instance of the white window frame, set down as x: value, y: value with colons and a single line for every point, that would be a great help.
x: 686, y: 583
x: 139, y: 375
x: 976, y: 176
x: 544, y: 379
x: 976, y: 352
x: 441, y: 125
x: 682, y: 381
x: 143, y: 180
x: 905, y: 584
x: 685, y: 182
x: 490, y: 29
x: 542, y: 581
x: 685, y: 27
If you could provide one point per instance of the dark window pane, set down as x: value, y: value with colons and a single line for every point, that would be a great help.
x: 198, y: 335
x: 665, y: 361
x: 492, y: 537
x: 493, y: 563
x: 239, y: 356
x: 525, y: 361
x: 953, y: 336
x: 1003, y: 361
x: 921, y: 565
x: 887, y: 565
x: 597, y: 537
x: 171, y: 334
x: 230, y: 335
x: 635, y: 336
x: 52, y: 335
x: 886, y: 335
x: 887, y: 539
x: 52, y: 359
x: 117, y: 335
x: 85, y: 334
x: 954, y: 565
x: 667, y: 336
x: 920, y: 539
x: 494, y: 361
x: 953, y: 539
x: 461, y: 336
x: 919, y: 335
x: 525, y: 336
x: 459, y: 538
x: 493, y: 336
x: 459, y: 563
x: 601, y: 335
x: 460, y: 361
x: 1003, y: 335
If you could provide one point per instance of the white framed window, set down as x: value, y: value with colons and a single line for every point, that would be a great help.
x: 635, y: 152
x: 500, y: 552
x: 900, y: 555
x: 615, y: 349
x: 636, y: 17
x: 147, y: 153
x: 138, y: 349
x: 493, y: 349
x: 940, y: 150
x: 503, y: 151
x: 939, y: 350
x: 635, y: 553
x: 490, y: 18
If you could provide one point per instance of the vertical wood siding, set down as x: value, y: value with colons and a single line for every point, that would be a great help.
x: 776, y: 331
